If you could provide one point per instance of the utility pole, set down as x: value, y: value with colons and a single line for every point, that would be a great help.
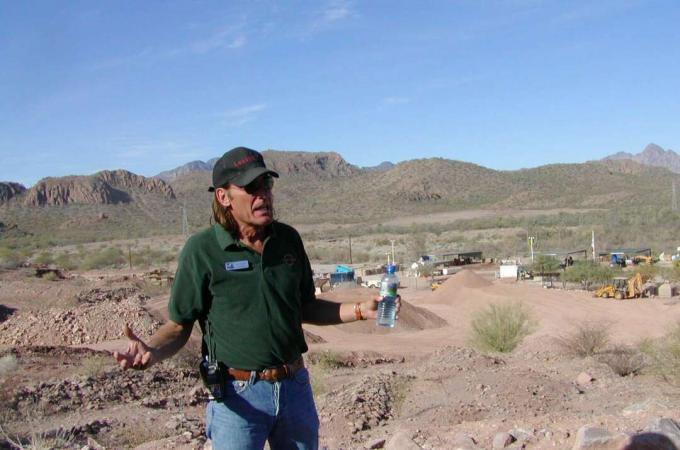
x: 674, y: 204
x: 592, y: 244
x: 185, y: 222
x: 531, y: 246
x: 350, y: 249
x: 392, y: 242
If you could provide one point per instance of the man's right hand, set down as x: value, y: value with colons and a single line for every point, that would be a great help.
x: 138, y: 354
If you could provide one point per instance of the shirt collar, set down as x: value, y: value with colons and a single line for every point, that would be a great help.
x: 225, y: 239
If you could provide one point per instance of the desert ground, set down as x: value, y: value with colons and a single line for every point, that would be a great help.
x: 419, y: 385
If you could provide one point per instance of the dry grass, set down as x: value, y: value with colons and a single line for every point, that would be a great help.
x: 501, y: 327
x: 587, y: 339
x: 624, y: 361
x: 60, y: 439
x: 664, y: 356
x: 8, y: 364
x: 320, y: 364
x: 94, y: 365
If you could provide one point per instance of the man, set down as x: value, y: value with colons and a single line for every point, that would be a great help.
x: 248, y: 282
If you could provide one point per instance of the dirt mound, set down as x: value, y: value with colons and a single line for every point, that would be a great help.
x: 465, y: 279
x: 411, y: 318
x: 99, y: 317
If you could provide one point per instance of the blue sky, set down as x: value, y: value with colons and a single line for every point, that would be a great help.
x: 148, y: 86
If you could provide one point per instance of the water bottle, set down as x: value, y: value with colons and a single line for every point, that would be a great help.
x: 387, y: 308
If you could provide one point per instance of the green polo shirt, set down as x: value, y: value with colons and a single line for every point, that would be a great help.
x: 253, y: 301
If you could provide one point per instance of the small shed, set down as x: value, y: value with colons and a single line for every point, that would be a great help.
x: 509, y: 271
x: 667, y: 290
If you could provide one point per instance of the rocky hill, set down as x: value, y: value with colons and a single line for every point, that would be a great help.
x: 652, y: 155
x: 194, y: 166
x: 323, y: 187
x: 9, y: 190
x: 106, y: 187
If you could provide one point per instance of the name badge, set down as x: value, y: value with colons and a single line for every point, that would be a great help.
x: 236, y: 265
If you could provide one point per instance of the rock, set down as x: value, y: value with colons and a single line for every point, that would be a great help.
x: 502, y: 440
x: 667, y: 427
x: 376, y: 443
x: 584, y: 379
x: 647, y: 441
x: 402, y: 441
x: 592, y: 438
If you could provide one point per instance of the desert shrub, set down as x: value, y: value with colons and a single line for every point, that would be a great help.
x: 426, y: 270
x: 327, y: 360
x: 10, y: 259
x: 41, y: 441
x: 8, y: 364
x: 44, y: 258
x: 664, y: 356
x: 108, y: 257
x: 587, y: 339
x: 587, y: 273
x: 94, y: 365
x: 623, y: 360
x: 51, y: 276
x: 501, y: 327
x: 65, y: 261
x: 545, y: 264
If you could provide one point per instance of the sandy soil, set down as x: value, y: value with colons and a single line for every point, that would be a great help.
x: 420, y: 380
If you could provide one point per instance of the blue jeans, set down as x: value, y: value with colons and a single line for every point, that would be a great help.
x: 253, y: 412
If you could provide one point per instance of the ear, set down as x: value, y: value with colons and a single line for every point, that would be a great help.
x: 222, y: 196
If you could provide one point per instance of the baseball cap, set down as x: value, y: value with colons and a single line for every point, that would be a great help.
x: 239, y: 166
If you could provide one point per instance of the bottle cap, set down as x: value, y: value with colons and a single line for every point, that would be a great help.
x: 391, y: 268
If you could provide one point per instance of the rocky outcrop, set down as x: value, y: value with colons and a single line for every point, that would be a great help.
x: 322, y: 165
x: 9, y: 190
x: 193, y: 166
x: 106, y: 187
x: 652, y: 155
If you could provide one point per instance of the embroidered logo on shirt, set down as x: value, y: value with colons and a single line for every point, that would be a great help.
x: 289, y: 259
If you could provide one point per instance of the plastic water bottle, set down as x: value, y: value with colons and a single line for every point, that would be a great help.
x: 387, y: 308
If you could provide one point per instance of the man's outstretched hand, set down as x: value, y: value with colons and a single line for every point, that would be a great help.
x: 369, y: 309
x: 138, y: 354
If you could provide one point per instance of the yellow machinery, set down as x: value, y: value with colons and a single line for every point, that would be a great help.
x: 642, y: 259
x: 623, y: 288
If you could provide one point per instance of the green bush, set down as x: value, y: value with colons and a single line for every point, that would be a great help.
x: 10, y: 259
x: 588, y: 273
x: 664, y: 356
x: 65, y: 261
x: 545, y: 264
x: 587, y: 340
x: 109, y: 257
x: 44, y: 258
x: 501, y: 327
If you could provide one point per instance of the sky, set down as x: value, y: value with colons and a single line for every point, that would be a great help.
x: 506, y: 84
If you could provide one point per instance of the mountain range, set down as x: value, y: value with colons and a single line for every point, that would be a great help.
x: 323, y: 187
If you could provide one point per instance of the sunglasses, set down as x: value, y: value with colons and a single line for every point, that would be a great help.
x: 262, y: 184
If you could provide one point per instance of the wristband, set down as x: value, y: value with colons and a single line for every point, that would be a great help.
x: 357, y: 312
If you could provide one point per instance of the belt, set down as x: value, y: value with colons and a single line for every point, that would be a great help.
x: 272, y: 375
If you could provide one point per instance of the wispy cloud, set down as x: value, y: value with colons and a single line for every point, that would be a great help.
x: 226, y: 38
x: 332, y: 13
x: 222, y: 39
x: 396, y: 100
x: 240, y: 116
x: 596, y: 10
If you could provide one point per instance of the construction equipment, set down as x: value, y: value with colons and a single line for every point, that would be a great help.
x: 623, y: 288
x: 643, y: 259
